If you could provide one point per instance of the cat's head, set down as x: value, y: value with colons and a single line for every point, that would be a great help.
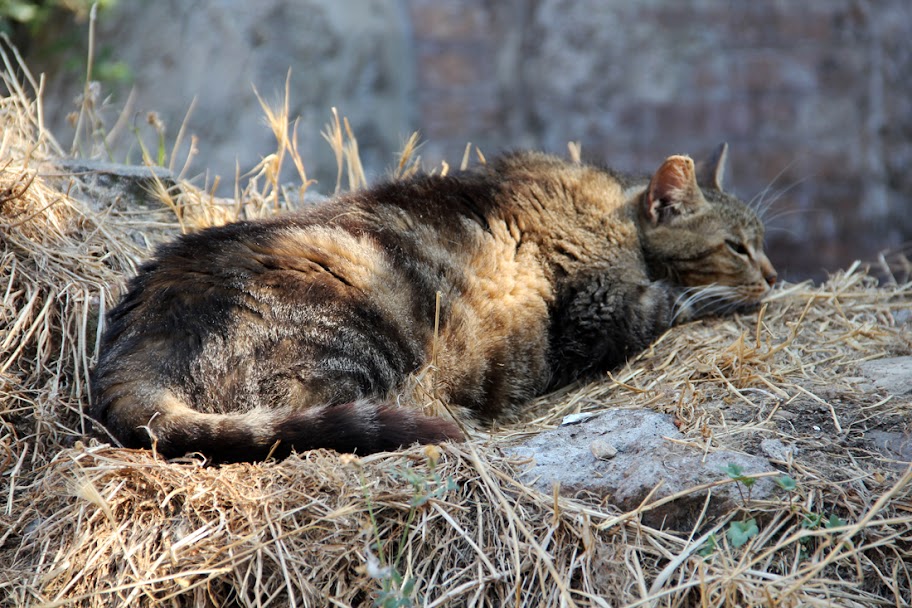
x: 694, y: 234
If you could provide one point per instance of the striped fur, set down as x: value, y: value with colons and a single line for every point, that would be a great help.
x: 310, y: 330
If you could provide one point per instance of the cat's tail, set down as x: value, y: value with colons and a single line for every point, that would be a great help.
x: 362, y: 427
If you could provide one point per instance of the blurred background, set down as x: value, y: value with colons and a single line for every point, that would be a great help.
x: 813, y: 96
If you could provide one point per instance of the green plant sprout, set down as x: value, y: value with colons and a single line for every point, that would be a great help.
x: 396, y: 591
x: 739, y: 532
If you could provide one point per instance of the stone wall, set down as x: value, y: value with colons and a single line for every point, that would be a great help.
x: 813, y: 97
x: 215, y: 54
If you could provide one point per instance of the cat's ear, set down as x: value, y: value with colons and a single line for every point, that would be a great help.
x: 711, y: 172
x: 673, y: 190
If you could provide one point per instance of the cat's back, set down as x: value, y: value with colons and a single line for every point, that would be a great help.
x: 368, y: 259
x: 402, y: 239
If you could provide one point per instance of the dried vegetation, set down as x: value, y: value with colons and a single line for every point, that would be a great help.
x: 83, y: 523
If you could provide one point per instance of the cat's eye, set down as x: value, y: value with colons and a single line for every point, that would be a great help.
x: 737, y: 247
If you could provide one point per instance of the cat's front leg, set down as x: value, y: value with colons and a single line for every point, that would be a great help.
x: 602, y: 321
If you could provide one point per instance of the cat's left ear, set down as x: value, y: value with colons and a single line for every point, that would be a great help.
x: 673, y: 190
x: 711, y: 172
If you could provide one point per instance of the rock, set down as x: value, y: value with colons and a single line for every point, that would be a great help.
x: 645, y: 458
x: 123, y: 189
x: 776, y: 450
x: 861, y: 384
x: 602, y: 450
x: 895, y: 446
x: 577, y: 418
x: 902, y: 316
x: 893, y: 375
x: 104, y: 183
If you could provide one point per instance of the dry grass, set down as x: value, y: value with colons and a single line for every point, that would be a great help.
x: 84, y: 523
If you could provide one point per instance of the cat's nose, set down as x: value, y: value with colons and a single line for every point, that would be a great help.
x: 766, y: 268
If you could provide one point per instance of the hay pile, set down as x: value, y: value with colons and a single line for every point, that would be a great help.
x: 88, y: 524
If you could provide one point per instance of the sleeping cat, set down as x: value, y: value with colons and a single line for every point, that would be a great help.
x: 310, y: 330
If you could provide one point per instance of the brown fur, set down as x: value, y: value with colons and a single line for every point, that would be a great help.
x: 304, y: 331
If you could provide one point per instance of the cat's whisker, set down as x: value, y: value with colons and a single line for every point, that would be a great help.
x: 754, y: 203
x: 789, y: 212
x: 782, y: 229
x: 767, y: 203
x: 706, y: 297
x: 684, y: 303
x: 776, y: 196
x: 761, y: 204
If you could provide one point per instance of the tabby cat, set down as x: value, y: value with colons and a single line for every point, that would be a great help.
x: 312, y: 330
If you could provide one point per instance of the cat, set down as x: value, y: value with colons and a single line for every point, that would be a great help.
x: 303, y: 331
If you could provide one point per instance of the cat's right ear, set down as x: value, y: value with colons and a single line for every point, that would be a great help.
x: 711, y: 172
x: 673, y: 190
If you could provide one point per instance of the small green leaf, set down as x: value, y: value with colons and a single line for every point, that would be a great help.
x: 733, y: 471
x: 739, y: 532
x: 409, y: 587
x: 396, y: 577
x: 419, y: 499
x: 747, y: 481
x: 708, y: 547
x: 787, y: 483
x: 834, y: 522
x: 811, y: 521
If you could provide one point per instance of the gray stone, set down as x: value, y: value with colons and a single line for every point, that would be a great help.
x: 893, y: 375
x: 776, y: 450
x: 646, y: 457
x: 862, y: 384
x: 602, y: 450
x: 896, y: 446
x: 102, y: 184
x: 105, y: 187
x: 577, y: 418
x: 903, y: 316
